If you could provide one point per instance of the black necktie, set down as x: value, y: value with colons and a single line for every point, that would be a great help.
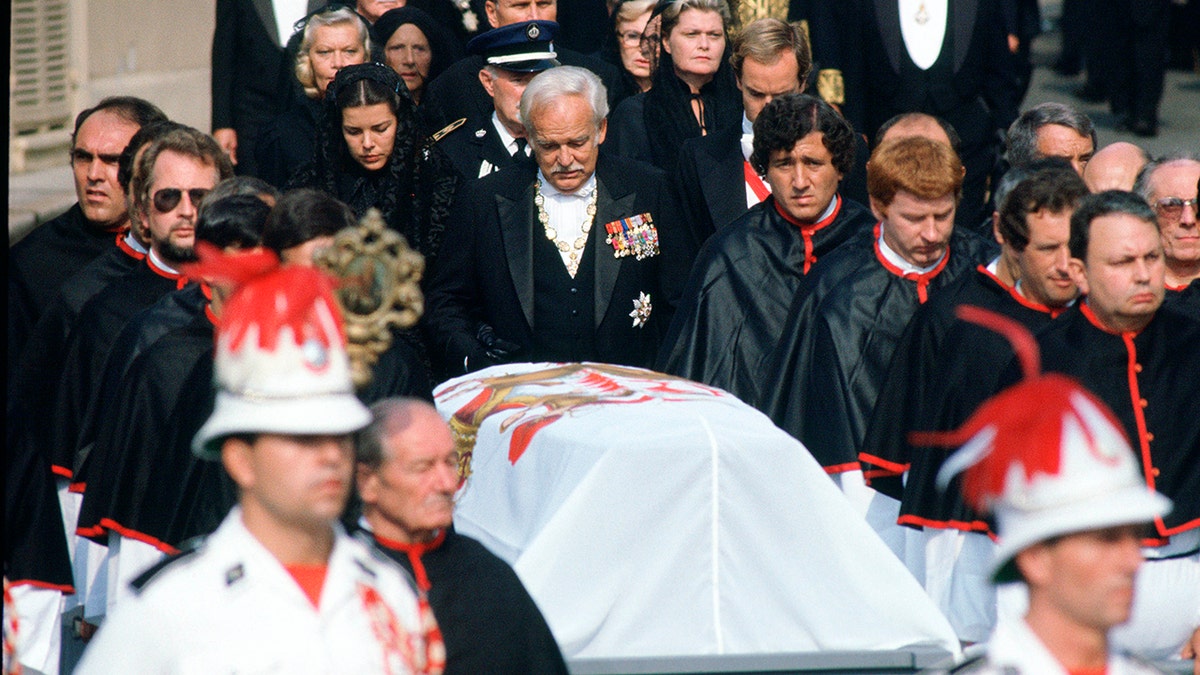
x: 521, y: 145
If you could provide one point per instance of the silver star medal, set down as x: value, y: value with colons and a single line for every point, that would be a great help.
x: 641, y: 310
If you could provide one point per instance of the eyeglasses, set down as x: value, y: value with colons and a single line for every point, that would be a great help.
x: 166, y: 199
x: 1172, y: 207
x: 630, y: 38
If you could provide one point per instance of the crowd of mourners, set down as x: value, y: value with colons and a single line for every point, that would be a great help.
x: 794, y: 209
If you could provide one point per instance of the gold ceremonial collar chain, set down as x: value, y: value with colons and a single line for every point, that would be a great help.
x: 572, y: 250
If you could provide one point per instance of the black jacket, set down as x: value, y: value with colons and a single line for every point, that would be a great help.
x: 485, y: 273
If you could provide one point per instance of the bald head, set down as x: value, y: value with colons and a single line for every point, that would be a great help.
x: 1114, y: 167
x: 912, y: 125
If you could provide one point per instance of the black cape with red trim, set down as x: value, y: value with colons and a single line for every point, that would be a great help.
x: 173, y: 310
x: 489, y: 622
x: 943, y: 369
x: 35, y: 548
x: 143, y: 480
x: 95, y: 331
x: 822, y: 381
x: 737, y: 298
x: 39, y: 264
x: 1186, y: 301
x: 1164, y: 363
x: 34, y: 385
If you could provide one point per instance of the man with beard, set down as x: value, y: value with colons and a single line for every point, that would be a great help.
x: 173, y: 173
x: 407, y: 477
x: 736, y: 302
x: 945, y: 368
x: 848, y: 315
x: 1139, y: 358
x: 127, y: 450
x: 39, y: 264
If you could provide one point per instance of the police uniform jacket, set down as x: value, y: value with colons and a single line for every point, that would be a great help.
x: 230, y: 606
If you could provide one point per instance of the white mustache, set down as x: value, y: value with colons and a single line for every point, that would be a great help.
x: 566, y: 169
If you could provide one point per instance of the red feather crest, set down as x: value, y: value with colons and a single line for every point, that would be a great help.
x: 1021, y: 425
x: 269, y: 297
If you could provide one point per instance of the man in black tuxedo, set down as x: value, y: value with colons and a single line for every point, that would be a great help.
x: 514, y: 55
x: 576, y: 258
x: 251, y: 73
x: 715, y: 182
x: 458, y: 93
x: 948, y: 59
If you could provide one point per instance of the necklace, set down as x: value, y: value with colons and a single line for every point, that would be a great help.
x: 572, y: 250
x: 922, y: 16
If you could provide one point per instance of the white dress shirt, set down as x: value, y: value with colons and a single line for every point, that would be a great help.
x: 287, y: 13
x: 923, y: 40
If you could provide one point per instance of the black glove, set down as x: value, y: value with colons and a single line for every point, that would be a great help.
x: 496, y: 348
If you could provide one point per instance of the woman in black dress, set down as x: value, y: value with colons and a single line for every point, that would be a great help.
x: 694, y: 91
x: 369, y: 154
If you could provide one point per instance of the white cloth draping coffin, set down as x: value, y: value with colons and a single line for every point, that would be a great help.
x: 653, y: 516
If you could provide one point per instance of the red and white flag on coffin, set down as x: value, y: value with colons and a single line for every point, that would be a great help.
x: 653, y: 516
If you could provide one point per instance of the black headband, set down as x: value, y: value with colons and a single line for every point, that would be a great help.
x: 376, y: 72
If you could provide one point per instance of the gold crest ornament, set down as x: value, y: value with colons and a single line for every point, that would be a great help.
x: 641, y: 310
x: 831, y: 87
x: 633, y: 236
x: 378, y: 277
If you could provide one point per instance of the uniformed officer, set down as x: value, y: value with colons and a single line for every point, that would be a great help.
x: 279, y: 586
x: 513, y: 55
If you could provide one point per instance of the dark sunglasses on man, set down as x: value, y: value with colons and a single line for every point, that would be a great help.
x: 166, y: 199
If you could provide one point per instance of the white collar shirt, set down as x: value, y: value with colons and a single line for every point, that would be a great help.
x: 923, y: 38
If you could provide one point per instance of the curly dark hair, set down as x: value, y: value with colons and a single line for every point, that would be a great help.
x: 413, y: 191
x: 789, y: 118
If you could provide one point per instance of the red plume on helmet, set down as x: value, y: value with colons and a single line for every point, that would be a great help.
x: 1045, y: 457
x: 280, y: 363
x: 1021, y: 426
x: 266, y: 295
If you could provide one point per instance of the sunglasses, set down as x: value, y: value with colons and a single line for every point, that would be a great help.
x: 166, y: 199
x: 1172, y: 207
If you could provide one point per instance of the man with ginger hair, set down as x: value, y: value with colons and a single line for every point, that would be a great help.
x: 944, y: 368
x: 849, y: 314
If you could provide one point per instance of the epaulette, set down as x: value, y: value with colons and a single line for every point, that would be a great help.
x: 186, y: 549
x: 444, y: 131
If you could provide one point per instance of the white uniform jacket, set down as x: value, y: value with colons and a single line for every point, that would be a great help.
x: 1014, y: 650
x: 232, y: 607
